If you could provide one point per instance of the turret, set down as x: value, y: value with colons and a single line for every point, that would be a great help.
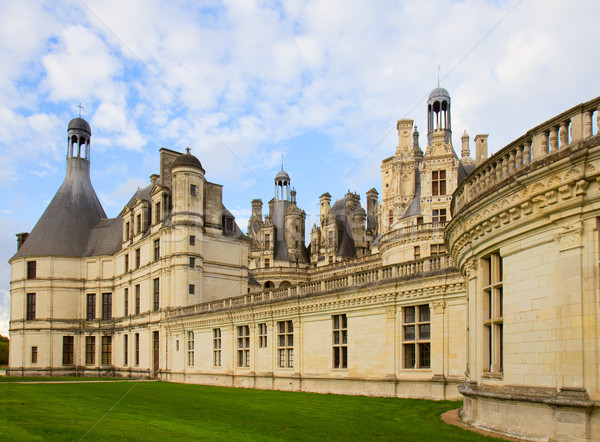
x: 438, y: 115
x: 188, y: 190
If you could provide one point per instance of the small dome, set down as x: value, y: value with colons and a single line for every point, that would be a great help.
x: 439, y: 92
x: 79, y: 124
x: 187, y: 159
x: 282, y: 175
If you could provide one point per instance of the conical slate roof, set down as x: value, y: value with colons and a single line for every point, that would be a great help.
x: 65, y: 226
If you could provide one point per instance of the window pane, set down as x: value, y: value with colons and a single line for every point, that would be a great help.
x: 409, y: 332
x: 424, y: 331
x: 409, y: 314
x: 409, y: 356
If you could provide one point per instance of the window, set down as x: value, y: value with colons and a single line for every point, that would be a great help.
x: 90, y: 350
x: 416, y: 337
x: 192, y: 262
x: 340, y: 341
x: 106, y: 350
x: 31, y: 269
x: 417, y: 252
x: 217, y: 347
x: 438, y: 249
x: 229, y: 224
x: 126, y: 262
x: 137, y: 258
x: 190, y: 348
x: 243, y: 339
x: 137, y: 349
x: 67, y: 350
x: 156, y: 249
x: 30, y: 306
x: 177, y: 345
x: 193, y: 189
x: 91, y: 306
x: 125, y: 350
x: 127, y: 231
x: 267, y: 263
x: 419, y: 220
x: 106, y: 306
x: 438, y: 216
x: 492, y: 275
x: 285, y: 343
x: 157, y: 214
x: 126, y: 302
x: 137, y: 299
x: 191, y: 289
x: 262, y: 335
x: 267, y: 241
x: 391, y: 217
x: 438, y: 182
x: 156, y: 291
x: 138, y: 223
x: 192, y: 240
x: 34, y: 354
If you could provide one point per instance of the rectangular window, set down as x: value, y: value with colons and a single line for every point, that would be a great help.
x: 492, y: 276
x: 125, y: 350
x: 438, y: 182
x: 192, y: 262
x: 243, y: 345
x: 106, y: 350
x: 191, y: 289
x: 192, y: 240
x: 438, y: 216
x: 106, y: 306
x: 126, y: 263
x: 267, y: 241
x: 157, y: 213
x: 217, y: 347
x: 156, y: 291
x: 137, y: 349
x: 137, y: 299
x: 391, y: 217
x: 31, y: 269
x: 285, y: 343
x: 34, y: 354
x: 30, y: 306
x: 416, y: 336
x: 156, y: 249
x: 138, y: 223
x: 438, y: 249
x: 262, y: 335
x: 190, y: 348
x: 340, y: 341
x: 267, y: 263
x: 90, y: 350
x: 127, y: 231
x: 193, y: 189
x: 138, y: 255
x: 417, y: 252
x: 126, y: 302
x: 67, y: 350
x: 91, y: 306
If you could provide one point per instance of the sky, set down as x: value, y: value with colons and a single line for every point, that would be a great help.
x: 251, y: 86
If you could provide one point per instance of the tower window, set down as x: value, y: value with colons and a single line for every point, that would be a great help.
x: 192, y: 240
x: 192, y: 262
x: 191, y: 289
x: 193, y: 189
x: 31, y: 269
x: 30, y: 306
x: 438, y: 182
x: 492, y: 301
x: 156, y: 249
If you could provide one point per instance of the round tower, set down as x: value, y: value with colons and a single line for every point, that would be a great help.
x: 438, y: 115
x: 188, y: 190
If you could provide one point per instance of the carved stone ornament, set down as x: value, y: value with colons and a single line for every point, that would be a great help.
x: 438, y: 306
x: 569, y: 237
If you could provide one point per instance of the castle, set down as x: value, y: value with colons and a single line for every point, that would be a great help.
x: 470, y: 278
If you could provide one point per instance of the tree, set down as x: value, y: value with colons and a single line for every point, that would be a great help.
x: 3, y: 350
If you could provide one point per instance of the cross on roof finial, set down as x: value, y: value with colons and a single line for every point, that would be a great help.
x: 80, y: 107
x: 187, y: 150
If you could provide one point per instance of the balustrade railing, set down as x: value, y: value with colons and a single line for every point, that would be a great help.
x: 538, y: 143
x: 403, y: 270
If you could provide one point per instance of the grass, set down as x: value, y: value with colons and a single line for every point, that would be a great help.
x: 159, y: 411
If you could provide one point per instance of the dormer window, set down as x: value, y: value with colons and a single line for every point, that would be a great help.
x: 157, y: 213
x: 438, y: 182
x: 127, y: 231
x: 138, y: 223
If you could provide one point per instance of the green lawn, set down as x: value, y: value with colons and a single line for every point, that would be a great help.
x: 165, y: 411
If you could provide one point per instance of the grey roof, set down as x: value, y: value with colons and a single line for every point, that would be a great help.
x: 463, y: 171
x: 187, y: 160
x: 105, y: 238
x: 414, y: 208
x: 64, y: 228
x: 282, y: 175
x: 439, y: 92
x: 144, y: 194
x: 346, y: 247
x: 79, y: 124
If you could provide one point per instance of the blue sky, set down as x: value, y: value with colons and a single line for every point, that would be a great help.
x: 245, y: 84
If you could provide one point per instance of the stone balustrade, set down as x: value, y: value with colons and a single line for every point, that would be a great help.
x: 355, y: 276
x: 537, y: 145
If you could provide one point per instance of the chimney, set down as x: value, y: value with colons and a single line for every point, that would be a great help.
x: 21, y: 237
x: 481, y: 148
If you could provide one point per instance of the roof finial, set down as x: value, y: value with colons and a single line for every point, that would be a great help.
x: 281, y: 161
x: 187, y: 151
x: 80, y: 107
x: 438, y: 75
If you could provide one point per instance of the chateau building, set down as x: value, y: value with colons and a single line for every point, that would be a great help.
x: 469, y: 278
